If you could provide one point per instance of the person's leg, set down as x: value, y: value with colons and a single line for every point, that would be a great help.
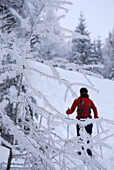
x: 78, y: 129
x: 78, y: 134
x: 89, y: 131
x: 88, y: 128
x: 80, y: 140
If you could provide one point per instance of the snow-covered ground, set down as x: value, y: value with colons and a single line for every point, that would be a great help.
x: 3, y: 154
x: 101, y: 91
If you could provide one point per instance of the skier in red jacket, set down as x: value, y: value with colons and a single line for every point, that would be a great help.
x: 84, y: 106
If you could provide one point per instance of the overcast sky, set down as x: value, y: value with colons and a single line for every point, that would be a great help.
x: 99, y: 15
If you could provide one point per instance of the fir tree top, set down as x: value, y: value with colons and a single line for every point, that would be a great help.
x: 81, y: 28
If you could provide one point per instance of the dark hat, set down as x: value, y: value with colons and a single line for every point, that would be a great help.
x: 83, y: 90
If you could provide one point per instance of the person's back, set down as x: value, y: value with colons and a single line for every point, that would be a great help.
x: 84, y: 106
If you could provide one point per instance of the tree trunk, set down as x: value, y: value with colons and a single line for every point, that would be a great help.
x: 9, y: 159
x: 10, y: 153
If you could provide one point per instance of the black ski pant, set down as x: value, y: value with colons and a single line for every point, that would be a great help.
x: 88, y: 129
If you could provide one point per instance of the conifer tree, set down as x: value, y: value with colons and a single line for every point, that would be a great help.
x: 94, y: 56
x: 96, y: 52
x: 81, y: 48
x: 108, y: 54
x: 99, y: 51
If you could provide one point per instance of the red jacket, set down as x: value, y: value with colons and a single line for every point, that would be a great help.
x: 84, y: 106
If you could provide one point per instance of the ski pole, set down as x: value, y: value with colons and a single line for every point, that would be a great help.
x: 99, y: 146
x: 68, y: 130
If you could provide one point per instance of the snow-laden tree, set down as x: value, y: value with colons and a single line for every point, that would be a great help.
x: 93, y: 59
x: 99, y: 46
x: 83, y: 51
x: 19, y: 22
x: 47, y: 47
x: 96, y: 56
x: 108, y: 55
x: 96, y: 52
x: 81, y: 48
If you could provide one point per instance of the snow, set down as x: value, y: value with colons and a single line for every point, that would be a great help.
x: 3, y: 154
x: 54, y: 90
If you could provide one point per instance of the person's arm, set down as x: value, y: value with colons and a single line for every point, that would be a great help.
x: 70, y: 111
x: 94, y: 110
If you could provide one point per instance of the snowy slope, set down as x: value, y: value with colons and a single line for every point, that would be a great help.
x: 54, y: 90
x: 102, y: 94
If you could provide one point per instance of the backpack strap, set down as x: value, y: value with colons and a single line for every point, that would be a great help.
x: 81, y: 107
x: 89, y: 109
